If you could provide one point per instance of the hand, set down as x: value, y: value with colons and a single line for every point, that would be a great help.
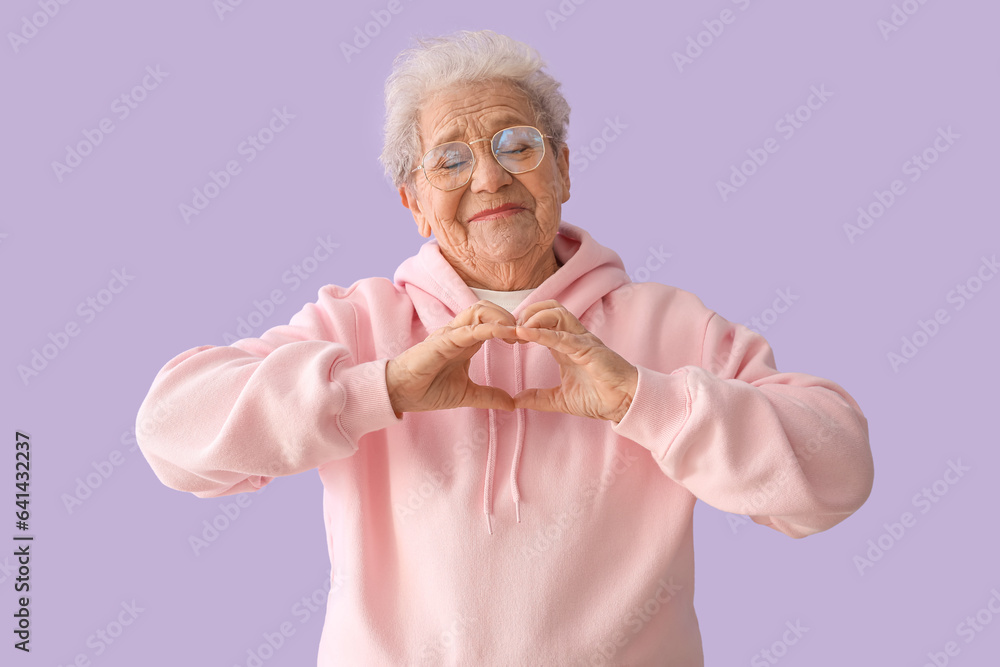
x: 594, y: 380
x: 434, y: 374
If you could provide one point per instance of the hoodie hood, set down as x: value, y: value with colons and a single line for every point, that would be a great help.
x: 589, y: 271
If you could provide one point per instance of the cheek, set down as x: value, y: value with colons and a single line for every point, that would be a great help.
x: 446, y: 211
x: 547, y: 191
x: 439, y: 208
x: 546, y: 199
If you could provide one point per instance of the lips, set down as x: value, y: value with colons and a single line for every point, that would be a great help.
x: 493, y: 211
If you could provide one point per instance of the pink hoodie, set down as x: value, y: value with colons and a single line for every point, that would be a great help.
x: 580, y: 551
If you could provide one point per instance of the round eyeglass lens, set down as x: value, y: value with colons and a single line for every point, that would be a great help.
x: 519, y: 149
x: 448, y: 166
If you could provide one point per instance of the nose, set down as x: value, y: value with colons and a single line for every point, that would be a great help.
x: 488, y: 175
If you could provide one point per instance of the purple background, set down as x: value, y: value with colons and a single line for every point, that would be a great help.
x: 654, y: 185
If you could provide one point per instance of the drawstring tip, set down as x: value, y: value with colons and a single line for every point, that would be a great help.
x: 489, y: 524
x: 517, y: 510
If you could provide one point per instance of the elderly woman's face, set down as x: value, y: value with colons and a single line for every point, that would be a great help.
x: 516, y: 238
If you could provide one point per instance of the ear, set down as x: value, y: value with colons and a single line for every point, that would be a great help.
x: 562, y: 161
x: 409, y: 200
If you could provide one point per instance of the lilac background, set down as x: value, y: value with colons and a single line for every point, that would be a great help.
x: 654, y: 185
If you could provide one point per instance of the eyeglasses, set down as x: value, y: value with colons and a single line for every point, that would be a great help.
x: 517, y: 149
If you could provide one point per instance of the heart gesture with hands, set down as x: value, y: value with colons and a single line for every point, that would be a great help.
x: 434, y: 374
x: 594, y: 380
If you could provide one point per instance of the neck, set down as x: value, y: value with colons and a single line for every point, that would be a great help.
x: 525, y: 273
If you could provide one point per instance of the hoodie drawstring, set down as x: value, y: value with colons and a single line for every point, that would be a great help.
x: 515, y: 493
x: 492, y: 451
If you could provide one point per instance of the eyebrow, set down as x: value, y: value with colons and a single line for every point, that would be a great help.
x: 505, y: 121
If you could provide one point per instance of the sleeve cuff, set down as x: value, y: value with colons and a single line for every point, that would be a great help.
x: 660, y: 408
x: 366, y: 399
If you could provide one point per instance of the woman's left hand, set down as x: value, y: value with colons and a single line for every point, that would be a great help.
x: 594, y: 380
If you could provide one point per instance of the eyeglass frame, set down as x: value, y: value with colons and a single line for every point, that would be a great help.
x: 469, y: 144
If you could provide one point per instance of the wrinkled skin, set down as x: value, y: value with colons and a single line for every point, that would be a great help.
x: 434, y: 374
x: 509, y: 253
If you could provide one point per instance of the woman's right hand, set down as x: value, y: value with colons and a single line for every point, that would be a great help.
x: 434, y: 374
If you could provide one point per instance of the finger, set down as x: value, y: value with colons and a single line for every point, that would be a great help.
x: 455, y: 342
x: 478, y: 396
x: 555, y: 318
x: 533, y: 308
x: 537, y: 399
x: 483, y: 311
x: 560, y: 341
x: 491, y: 312
x: 502, y: 330
x: 560, y: 319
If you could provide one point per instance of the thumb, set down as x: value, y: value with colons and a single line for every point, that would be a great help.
x: 479, y: 396
x: 537, y: 399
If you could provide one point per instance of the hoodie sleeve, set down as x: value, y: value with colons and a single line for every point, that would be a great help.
x: 788, y: 449
x: 220, y: 420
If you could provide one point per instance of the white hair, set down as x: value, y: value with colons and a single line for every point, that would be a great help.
x: 438, y: 63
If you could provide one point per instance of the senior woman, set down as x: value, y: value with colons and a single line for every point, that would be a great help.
x: 510, y: 433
